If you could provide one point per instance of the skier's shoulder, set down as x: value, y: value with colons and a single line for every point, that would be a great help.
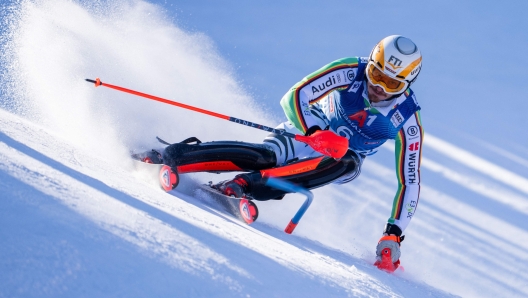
x: 348, y: 67
x: 352, y: 62
x: 406, y: 106
x: 408, y: 99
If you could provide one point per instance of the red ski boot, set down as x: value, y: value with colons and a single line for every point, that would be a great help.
x: 247, y: 210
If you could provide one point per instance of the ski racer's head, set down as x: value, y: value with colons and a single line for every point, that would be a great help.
x: 394, y: 65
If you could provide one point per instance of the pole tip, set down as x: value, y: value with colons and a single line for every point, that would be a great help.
x: 97, y: 82
x: 290, y: 227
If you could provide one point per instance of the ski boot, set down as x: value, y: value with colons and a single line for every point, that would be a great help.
x: 237, y: 188
x: 151, y: 156
x: 232, y: 188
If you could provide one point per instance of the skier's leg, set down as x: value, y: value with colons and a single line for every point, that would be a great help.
x: 223, y: 156
x: 287, y: 149
x: 309, y: 173
x: 219, y: 156
x: 300, y: 164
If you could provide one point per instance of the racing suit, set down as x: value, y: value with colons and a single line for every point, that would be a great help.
x: 335, y: 98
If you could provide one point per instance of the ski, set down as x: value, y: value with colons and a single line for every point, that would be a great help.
x: 241, y: 208
x: 168, y: 179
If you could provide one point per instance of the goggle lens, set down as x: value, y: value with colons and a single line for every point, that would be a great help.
x: 377, y: 77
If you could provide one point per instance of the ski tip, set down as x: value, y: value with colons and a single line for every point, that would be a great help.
x: 168, y: 178
x: 248, y: 211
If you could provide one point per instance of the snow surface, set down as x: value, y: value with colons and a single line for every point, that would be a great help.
x: 77, y: 220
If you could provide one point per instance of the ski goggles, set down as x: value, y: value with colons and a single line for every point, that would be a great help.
x: 378, y: 78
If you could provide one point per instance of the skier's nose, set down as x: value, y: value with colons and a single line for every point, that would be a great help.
x: 378, y: 90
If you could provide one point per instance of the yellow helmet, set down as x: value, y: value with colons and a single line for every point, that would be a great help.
x: 394, y: 64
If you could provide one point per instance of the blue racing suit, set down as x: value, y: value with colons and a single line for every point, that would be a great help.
x: 335, y: 98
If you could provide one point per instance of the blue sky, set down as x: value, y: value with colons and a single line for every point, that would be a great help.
x: 472, y: 83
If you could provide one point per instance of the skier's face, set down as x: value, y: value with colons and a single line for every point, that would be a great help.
x: 376, y: 93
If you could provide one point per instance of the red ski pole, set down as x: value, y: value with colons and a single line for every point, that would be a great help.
x: 324, y: 142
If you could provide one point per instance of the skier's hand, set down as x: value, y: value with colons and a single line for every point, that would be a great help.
x: 326, y: 142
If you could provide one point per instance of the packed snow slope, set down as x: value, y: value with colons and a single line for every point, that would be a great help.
x: 76, y: 224
x: 77, y: 220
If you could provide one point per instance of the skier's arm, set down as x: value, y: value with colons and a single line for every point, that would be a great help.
x: 408, y: 156
x: 296, y: 102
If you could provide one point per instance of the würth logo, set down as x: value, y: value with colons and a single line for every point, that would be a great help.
x: 414, y: 146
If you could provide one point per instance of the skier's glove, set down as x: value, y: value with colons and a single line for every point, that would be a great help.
x: 391, y: 242
x: 388, y: 249
x: 326, y: 142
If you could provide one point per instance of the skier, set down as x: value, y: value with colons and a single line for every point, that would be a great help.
x: 366, y: 100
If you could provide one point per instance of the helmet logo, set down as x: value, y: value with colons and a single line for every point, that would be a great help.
x: 387, y: 68
x: 394, y: 62
x: 416, y: 70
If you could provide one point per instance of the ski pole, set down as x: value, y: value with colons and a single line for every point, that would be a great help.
x: 290, y: 187
x: 324, y: 142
